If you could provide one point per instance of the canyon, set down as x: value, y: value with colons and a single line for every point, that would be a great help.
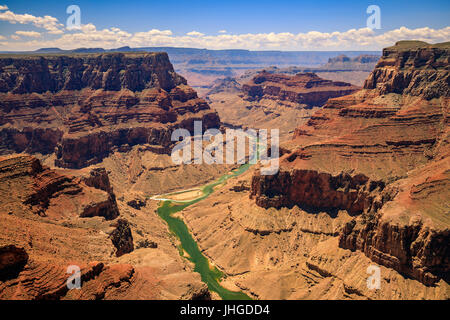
x: 364, y: 181
x: 85, y: 141
x: 82, y: 107
x: 274, y: 100
x: 85, y: 138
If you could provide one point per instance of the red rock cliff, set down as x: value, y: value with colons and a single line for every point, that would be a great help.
x: 304, y: 88
x: 83, y: 106
x: 382, y: 154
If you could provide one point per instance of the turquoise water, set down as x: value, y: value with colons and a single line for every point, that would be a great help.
x: 210, y: 275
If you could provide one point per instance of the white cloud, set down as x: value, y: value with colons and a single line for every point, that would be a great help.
x: 32, y: 34
x: 88, y: 36
x: 353, y: 39
x: 3, y: 7
x: 195, y: 34
x: 48, y: 23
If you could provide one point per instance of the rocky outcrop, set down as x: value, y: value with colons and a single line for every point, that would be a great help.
x: 12, y: 261
x: 46, y: 192
x: 110, y: 72
x: 413, y: 68
x: 304, y: 88
x: 316, y: 191
x: 98, y: 178
x: 84, y: 106
x: 122, y: 238
x: 412, y: 233
x: 416, y: 250
x: 380, y: 154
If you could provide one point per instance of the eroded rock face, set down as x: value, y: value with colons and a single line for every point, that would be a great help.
x: 54, y: 216
x: 416, y: 250
x: 411, y: 233
x: 382, y: 154
x: 84, y: 106
x: 304, y: 88
x: 122, y: 238
x: 318, y: 191
x: 412, y: 68
x: 50, y: 193
x: 12, y: 261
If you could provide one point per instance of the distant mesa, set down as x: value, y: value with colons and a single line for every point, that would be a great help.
x: 303, y: 88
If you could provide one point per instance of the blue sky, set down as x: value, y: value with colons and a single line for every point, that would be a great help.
x: 237, y: 18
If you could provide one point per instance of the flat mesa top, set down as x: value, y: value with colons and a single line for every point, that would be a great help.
x: 413, y: 44
x: 37, y: 55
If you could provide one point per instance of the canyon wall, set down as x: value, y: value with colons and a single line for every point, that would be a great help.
x: 74, y: 111
x: 83, y: 106
x: 372, y: 153
x: 55, y: 219
x: 304, y: 88
x: 46, y: 192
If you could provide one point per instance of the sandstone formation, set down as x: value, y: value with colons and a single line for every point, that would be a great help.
x: 122, y: 238
x: 304, y: 88
x: 12, y: 261
x: 381, y: 153
x: 46, y: 192
x: 319, y: 191
x: 271, y: 100
x: 55, y: 219
x: 83, y: 106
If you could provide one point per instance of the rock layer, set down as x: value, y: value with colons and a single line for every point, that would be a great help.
x: 304, y: 88
x: 392, y: 136
x: 84, y: 106
x: 51, y: 220
x: 49, y: 193
x: 318, y: 191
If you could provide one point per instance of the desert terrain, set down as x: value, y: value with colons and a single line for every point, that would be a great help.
x: 87, y: 178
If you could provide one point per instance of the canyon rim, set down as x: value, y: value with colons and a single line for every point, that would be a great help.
x: 134, y: 165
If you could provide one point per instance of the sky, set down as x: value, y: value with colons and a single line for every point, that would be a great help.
x: 231, y: 24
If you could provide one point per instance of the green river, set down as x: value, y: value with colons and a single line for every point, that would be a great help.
x: 210, y: 275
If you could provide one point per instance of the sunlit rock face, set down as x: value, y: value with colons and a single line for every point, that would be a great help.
x: 381, y: 154
x: 83, y: 106
x: 306, y: 89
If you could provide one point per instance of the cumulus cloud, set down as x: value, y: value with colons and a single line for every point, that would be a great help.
x: 3, y: 7
x: 33, y: 34
x: 48, y: 23
x: 195, y: 34
x: 89, y: 36
x: 353, y: 39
